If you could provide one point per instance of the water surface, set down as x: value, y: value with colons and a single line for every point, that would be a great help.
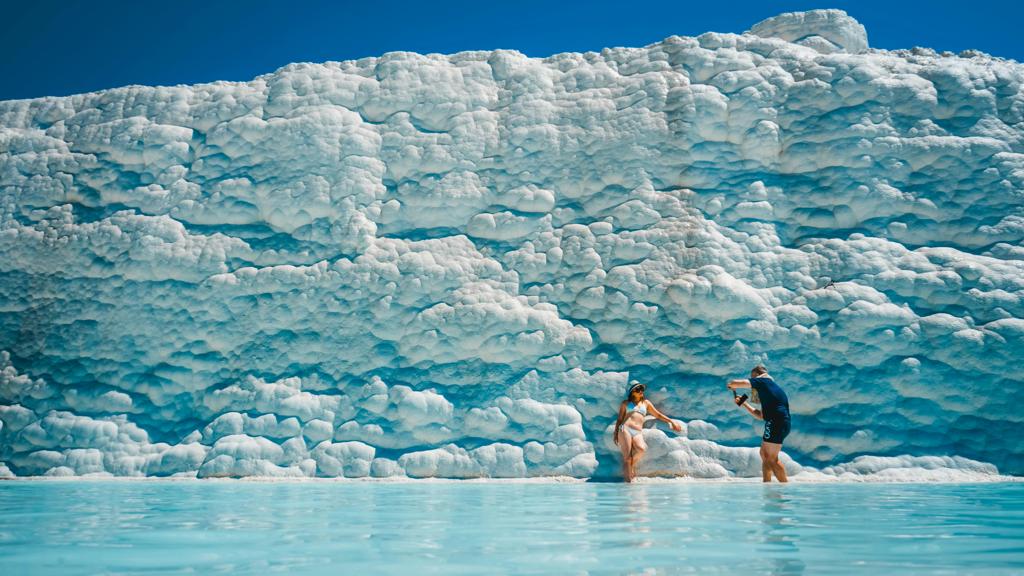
x: 419, y: 528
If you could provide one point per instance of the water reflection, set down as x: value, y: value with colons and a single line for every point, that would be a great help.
x: 779, y: 532
x: 636, y: 506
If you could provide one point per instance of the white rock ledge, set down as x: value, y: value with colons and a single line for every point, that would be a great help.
x: 416, y: 266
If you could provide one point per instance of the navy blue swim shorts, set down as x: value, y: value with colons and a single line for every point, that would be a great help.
x: 776, y: 430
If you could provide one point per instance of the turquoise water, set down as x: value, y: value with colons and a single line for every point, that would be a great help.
x: 96, y: 527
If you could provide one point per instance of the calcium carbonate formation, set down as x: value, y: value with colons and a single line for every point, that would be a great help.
x: 450, y: 266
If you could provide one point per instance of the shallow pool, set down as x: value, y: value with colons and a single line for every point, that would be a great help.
x: 93, y: 527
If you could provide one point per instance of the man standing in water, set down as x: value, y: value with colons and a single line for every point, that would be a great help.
x: 775, y: 413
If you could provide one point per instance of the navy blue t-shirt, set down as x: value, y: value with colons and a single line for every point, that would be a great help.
x: 774, y: 402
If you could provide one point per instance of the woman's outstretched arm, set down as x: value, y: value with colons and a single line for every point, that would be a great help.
x: 657, y: 414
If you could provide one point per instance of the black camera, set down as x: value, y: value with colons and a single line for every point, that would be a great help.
x: 741, y: 399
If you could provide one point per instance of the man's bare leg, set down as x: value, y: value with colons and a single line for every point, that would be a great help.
x: 771, y: 463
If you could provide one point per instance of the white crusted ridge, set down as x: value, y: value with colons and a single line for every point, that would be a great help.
x: 428, y: 265
x: 826, y: 31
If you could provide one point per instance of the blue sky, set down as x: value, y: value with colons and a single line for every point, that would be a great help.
x: 54, y: 47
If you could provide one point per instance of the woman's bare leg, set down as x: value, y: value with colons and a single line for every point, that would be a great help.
x: 639, y: 447
x: 626, y: 445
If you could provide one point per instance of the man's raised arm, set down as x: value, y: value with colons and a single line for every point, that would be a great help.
x: 734, y: 384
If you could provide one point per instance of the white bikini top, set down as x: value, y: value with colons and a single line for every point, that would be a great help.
x: 638, y: 409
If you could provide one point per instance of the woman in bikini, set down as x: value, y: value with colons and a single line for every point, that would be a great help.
x: 629, y: 427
